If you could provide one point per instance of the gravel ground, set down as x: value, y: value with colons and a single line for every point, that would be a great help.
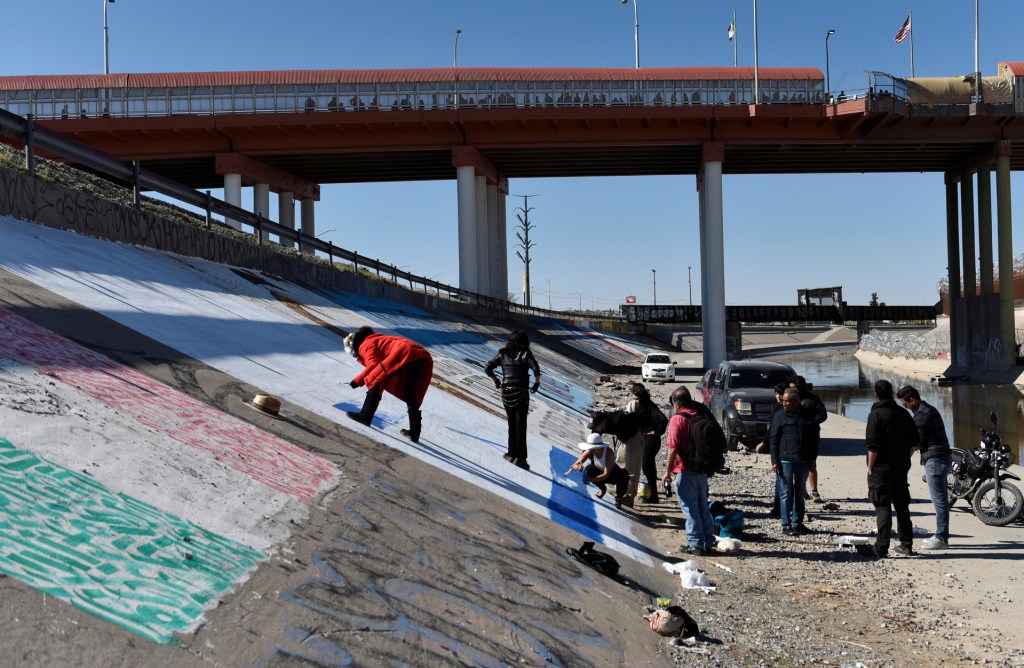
x: 798, y: 602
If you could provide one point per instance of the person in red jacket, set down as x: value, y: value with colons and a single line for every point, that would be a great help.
x: 394, y: 364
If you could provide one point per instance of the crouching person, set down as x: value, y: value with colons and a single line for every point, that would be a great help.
x: 394, y: 364
x: 598, y: 465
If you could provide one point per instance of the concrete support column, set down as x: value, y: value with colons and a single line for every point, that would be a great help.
x: 967, y: 236
x: 307, y: 209
x: 970, y: 268
x: 233, y: 195
x: 493, y: 262
x: 502, y: 246
x: 713, y: 258
x: 1008, y: 331
x: 286, y: 209
x: 985, y: 230
x: 483, y: 269
x: 986, y: 335
x: 466, y: 185
x: 953, y: 267
x: 261, y: 199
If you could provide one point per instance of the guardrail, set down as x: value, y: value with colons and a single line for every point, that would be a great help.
x: 22, y: 130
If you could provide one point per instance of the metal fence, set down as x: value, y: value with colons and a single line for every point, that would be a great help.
x: 21, y: 131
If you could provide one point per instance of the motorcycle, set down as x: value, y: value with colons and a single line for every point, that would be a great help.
x: 979, y: 476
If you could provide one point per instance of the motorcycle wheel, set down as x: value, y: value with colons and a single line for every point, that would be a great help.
x: 998, y: 510
x: 957, y: 487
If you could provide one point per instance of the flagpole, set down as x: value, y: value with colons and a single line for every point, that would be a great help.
x: 757, y: 87
x: 735, y: 42
x: 911, y: 14
x: 977, y: 66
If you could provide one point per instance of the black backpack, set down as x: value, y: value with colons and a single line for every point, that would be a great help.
x: 705, y: 451
x: 599, y: 561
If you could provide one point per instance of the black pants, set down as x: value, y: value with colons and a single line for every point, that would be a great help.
x: 517, y: 407
x: 619, y: 478
x: 887, y: 489
x: 652, y: 444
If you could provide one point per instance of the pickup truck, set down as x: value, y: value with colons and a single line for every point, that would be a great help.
x: 742, y: 396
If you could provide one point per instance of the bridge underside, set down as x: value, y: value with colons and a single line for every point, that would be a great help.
x: 350, y: 147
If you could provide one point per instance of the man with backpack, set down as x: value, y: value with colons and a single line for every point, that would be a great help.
x: 696, y: 450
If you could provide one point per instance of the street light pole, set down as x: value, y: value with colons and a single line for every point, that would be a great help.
x: 636, y: 30
x: 106, y: 39
x: 828, y: 81
x: 654, y: 275
x: 689, y: 282
x: 458, y: 31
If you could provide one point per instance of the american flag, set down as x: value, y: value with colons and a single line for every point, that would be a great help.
x: 904, y: 31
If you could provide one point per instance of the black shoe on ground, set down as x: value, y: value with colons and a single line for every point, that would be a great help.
x: 650, y: 498
x: 802, y: 530
x: 509, y: 458
x: 904, y: 551
x: 359, y: 417
x: 691, y: 550
x: 408, y: 434
x: 521, y: 463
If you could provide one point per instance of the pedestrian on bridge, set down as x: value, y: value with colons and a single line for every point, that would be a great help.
x: 394, y: 364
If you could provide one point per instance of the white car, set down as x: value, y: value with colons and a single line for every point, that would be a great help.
x: 658, y: 367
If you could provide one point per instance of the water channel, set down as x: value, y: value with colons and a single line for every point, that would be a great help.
x: 846, y: 387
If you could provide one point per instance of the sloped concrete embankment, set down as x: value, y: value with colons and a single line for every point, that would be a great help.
x: 392, y: 561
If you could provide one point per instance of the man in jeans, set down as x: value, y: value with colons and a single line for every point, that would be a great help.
x: 793, y: 437
x: 691, y: 486
x: 935, y: 457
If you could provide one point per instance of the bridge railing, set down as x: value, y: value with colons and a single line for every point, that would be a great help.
x: 22, y: 131
x: 152, y: 101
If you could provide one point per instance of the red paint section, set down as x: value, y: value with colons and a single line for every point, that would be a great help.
x: 269, y: 460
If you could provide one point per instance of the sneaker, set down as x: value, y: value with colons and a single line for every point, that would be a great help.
x: 509, y: 458
x: 934, y: 543
x: 650, y: 499
x: 904, y: 551
x: 359, y: 417
x: 786, y: 529
x: 408, y: 434
x: 802, y: 530
x: 792, y: 533
x: 521, y: 463
x: 816, y: 498
x: 691, y: 550
x: 625, y: 500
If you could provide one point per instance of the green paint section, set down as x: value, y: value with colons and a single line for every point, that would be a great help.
x: 109, y: 554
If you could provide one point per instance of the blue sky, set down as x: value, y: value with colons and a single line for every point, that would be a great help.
x: 597, y: 240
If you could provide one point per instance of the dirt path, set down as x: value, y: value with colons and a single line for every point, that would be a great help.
x: 794, y: 602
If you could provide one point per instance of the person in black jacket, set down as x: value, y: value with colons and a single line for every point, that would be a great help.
x: 516, y: 360
x: 817, y: 407
x: 653, y: 424
x: 764, y: 447
x: 793, y: 438
x: 891, y: 435
x: 935, y: 458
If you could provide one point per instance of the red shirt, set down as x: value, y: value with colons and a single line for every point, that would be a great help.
x: 679, y: 437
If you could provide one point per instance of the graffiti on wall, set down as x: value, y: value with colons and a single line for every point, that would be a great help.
x: 267, y: 459
x: 108, y: 554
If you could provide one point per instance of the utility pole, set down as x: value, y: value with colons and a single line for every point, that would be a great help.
x: 523, y: 234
